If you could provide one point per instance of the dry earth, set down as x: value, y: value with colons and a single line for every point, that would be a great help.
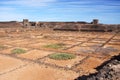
x: 91, y: 48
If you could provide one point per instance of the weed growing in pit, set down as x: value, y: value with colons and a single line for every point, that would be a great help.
x: 62, y: 56
x: 55, y: 46
x: 18, y: 51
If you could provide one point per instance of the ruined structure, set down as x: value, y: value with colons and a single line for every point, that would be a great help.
x: 69, y: 26
x: 95, y: 21
x: 26, y: 23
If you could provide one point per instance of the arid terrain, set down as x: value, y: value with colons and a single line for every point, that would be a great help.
x: 91, y: 49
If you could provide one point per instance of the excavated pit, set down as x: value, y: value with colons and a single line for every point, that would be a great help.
x: 91, y: 49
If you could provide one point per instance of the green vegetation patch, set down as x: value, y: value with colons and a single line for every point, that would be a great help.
x: 18, y: 51
x: 62, y: 56
x: 55, y: 46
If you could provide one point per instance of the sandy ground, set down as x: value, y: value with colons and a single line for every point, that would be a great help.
x: 13, y: 70
x: 91, y: 50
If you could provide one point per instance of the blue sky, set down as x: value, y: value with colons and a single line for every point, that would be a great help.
x: 107, y: 11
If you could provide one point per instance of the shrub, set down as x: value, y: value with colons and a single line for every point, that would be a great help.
x: 18, y: 51
x: 62, y: 56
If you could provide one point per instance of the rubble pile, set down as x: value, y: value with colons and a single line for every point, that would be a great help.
x: 110, y: 70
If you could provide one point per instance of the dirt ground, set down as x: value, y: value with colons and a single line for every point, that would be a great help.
x: 91, y: 50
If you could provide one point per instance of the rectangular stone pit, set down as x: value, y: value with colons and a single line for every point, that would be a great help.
x: 105, y: 35
x: 113, y: 46
x: 40, y: 40
x: 98, y: 40
x: 3, y: 47
x: 81, y: 50
x: 4, y: 40
x: 8, y: 64
x: 89, y: 44
x: 82, y: 39
x: 43, y: 44
x: 40, y: 72
x: 35, y: 54
x: 88, y: 65
x: 9, y: 50
x: 46, y: 41
x: 63, y: 63
x: 23, y: 43
x: 88, y: 34
x: 114, y: 42
x: 13, y: 42
x: 37, y: 45
x: 40, y: 43
x: 71, y: 42
x: 117, y: 37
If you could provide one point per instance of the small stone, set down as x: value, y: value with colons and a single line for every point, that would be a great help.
x: 69, y: 66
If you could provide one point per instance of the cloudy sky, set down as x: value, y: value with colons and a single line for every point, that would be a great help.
x: 107, y: 11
